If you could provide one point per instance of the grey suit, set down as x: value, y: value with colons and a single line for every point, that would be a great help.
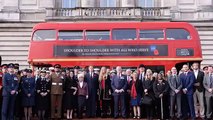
x: 175, y: 83
x: 208, y: 85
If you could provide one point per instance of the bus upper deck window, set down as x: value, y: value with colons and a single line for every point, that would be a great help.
x: 124, y: 34
x: 177, y: 34
x: 70, y: 35
x: 44, y: 35
x: 151, y: 35
x: 97, y: 35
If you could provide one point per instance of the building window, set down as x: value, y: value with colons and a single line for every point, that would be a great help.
x: 146, y: 3
x: 107, y: 3
x: 69, y: 3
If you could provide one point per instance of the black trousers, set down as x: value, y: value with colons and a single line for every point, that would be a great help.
x: 105, y: 107
x: 81, y: 105
x: 165, y: 107
x: 149, y: 111
x: 128, y: 106
x: 91, y: 105
x: 19, y: 110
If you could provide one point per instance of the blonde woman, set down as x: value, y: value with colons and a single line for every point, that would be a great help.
x: 105, y: 90
x: 136, y: 93
x: 148, y: 93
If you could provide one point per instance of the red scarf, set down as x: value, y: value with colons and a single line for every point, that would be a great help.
x: 103, y: 84
x: 1, y: 78
x: 133, y: 90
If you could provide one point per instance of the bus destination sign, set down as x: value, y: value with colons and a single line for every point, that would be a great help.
x: 184, y: 52
x: 113, y: 50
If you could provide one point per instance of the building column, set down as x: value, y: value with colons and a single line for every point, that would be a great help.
x: 10, y: 10
x: 10, y: 5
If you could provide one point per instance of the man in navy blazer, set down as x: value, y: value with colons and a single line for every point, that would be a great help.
x: 119, y: 86
x: 93, y: 85
x: 187, y: 78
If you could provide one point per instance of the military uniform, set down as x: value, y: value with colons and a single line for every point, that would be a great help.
x: 10, y: 83
x: 42, y: 86
x: 28, y: 87
x: 56, y: 94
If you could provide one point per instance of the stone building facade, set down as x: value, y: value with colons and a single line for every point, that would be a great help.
x: 17, y: 17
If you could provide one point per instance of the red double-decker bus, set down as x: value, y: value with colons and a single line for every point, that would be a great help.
x: 158, y: 45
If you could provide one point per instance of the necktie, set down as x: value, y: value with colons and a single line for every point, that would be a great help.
x: 142, y: 76
x: 91, y: 75
x: 119, y: 76
x: 128, y: 79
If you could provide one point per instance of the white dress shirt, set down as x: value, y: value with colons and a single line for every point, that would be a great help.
x: 196, y: 73
x: 81, y: 84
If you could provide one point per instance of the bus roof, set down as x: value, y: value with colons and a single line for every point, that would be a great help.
x: 111, y: 25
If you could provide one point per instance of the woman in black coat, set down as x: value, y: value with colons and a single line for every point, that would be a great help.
x: 70, y: 93
x: 161, y: 88
x: 148, y: 92
x: 105, y: 91
x: 28, y: 94
x: 43, y: 95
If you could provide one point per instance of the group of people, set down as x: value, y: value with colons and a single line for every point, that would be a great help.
x: 49, y: 93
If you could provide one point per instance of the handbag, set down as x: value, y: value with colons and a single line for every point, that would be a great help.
x: 146, y: 100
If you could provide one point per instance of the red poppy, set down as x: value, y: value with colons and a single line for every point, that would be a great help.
x: 156, y: 52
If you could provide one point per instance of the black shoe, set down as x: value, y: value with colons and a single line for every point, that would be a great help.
x: 124, y: 117
x: 116, y: 117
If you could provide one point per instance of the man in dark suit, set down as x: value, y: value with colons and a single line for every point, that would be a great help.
x: 187, y: 78
x: 198, y: 91
x: 92, y: 81
x: 141, y: 77
x: 208, y: 85
x: 119, y: 86
x: 141, y: 74
x: 175, y: 93
x: 10, y: 89
x: 128, y: 96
